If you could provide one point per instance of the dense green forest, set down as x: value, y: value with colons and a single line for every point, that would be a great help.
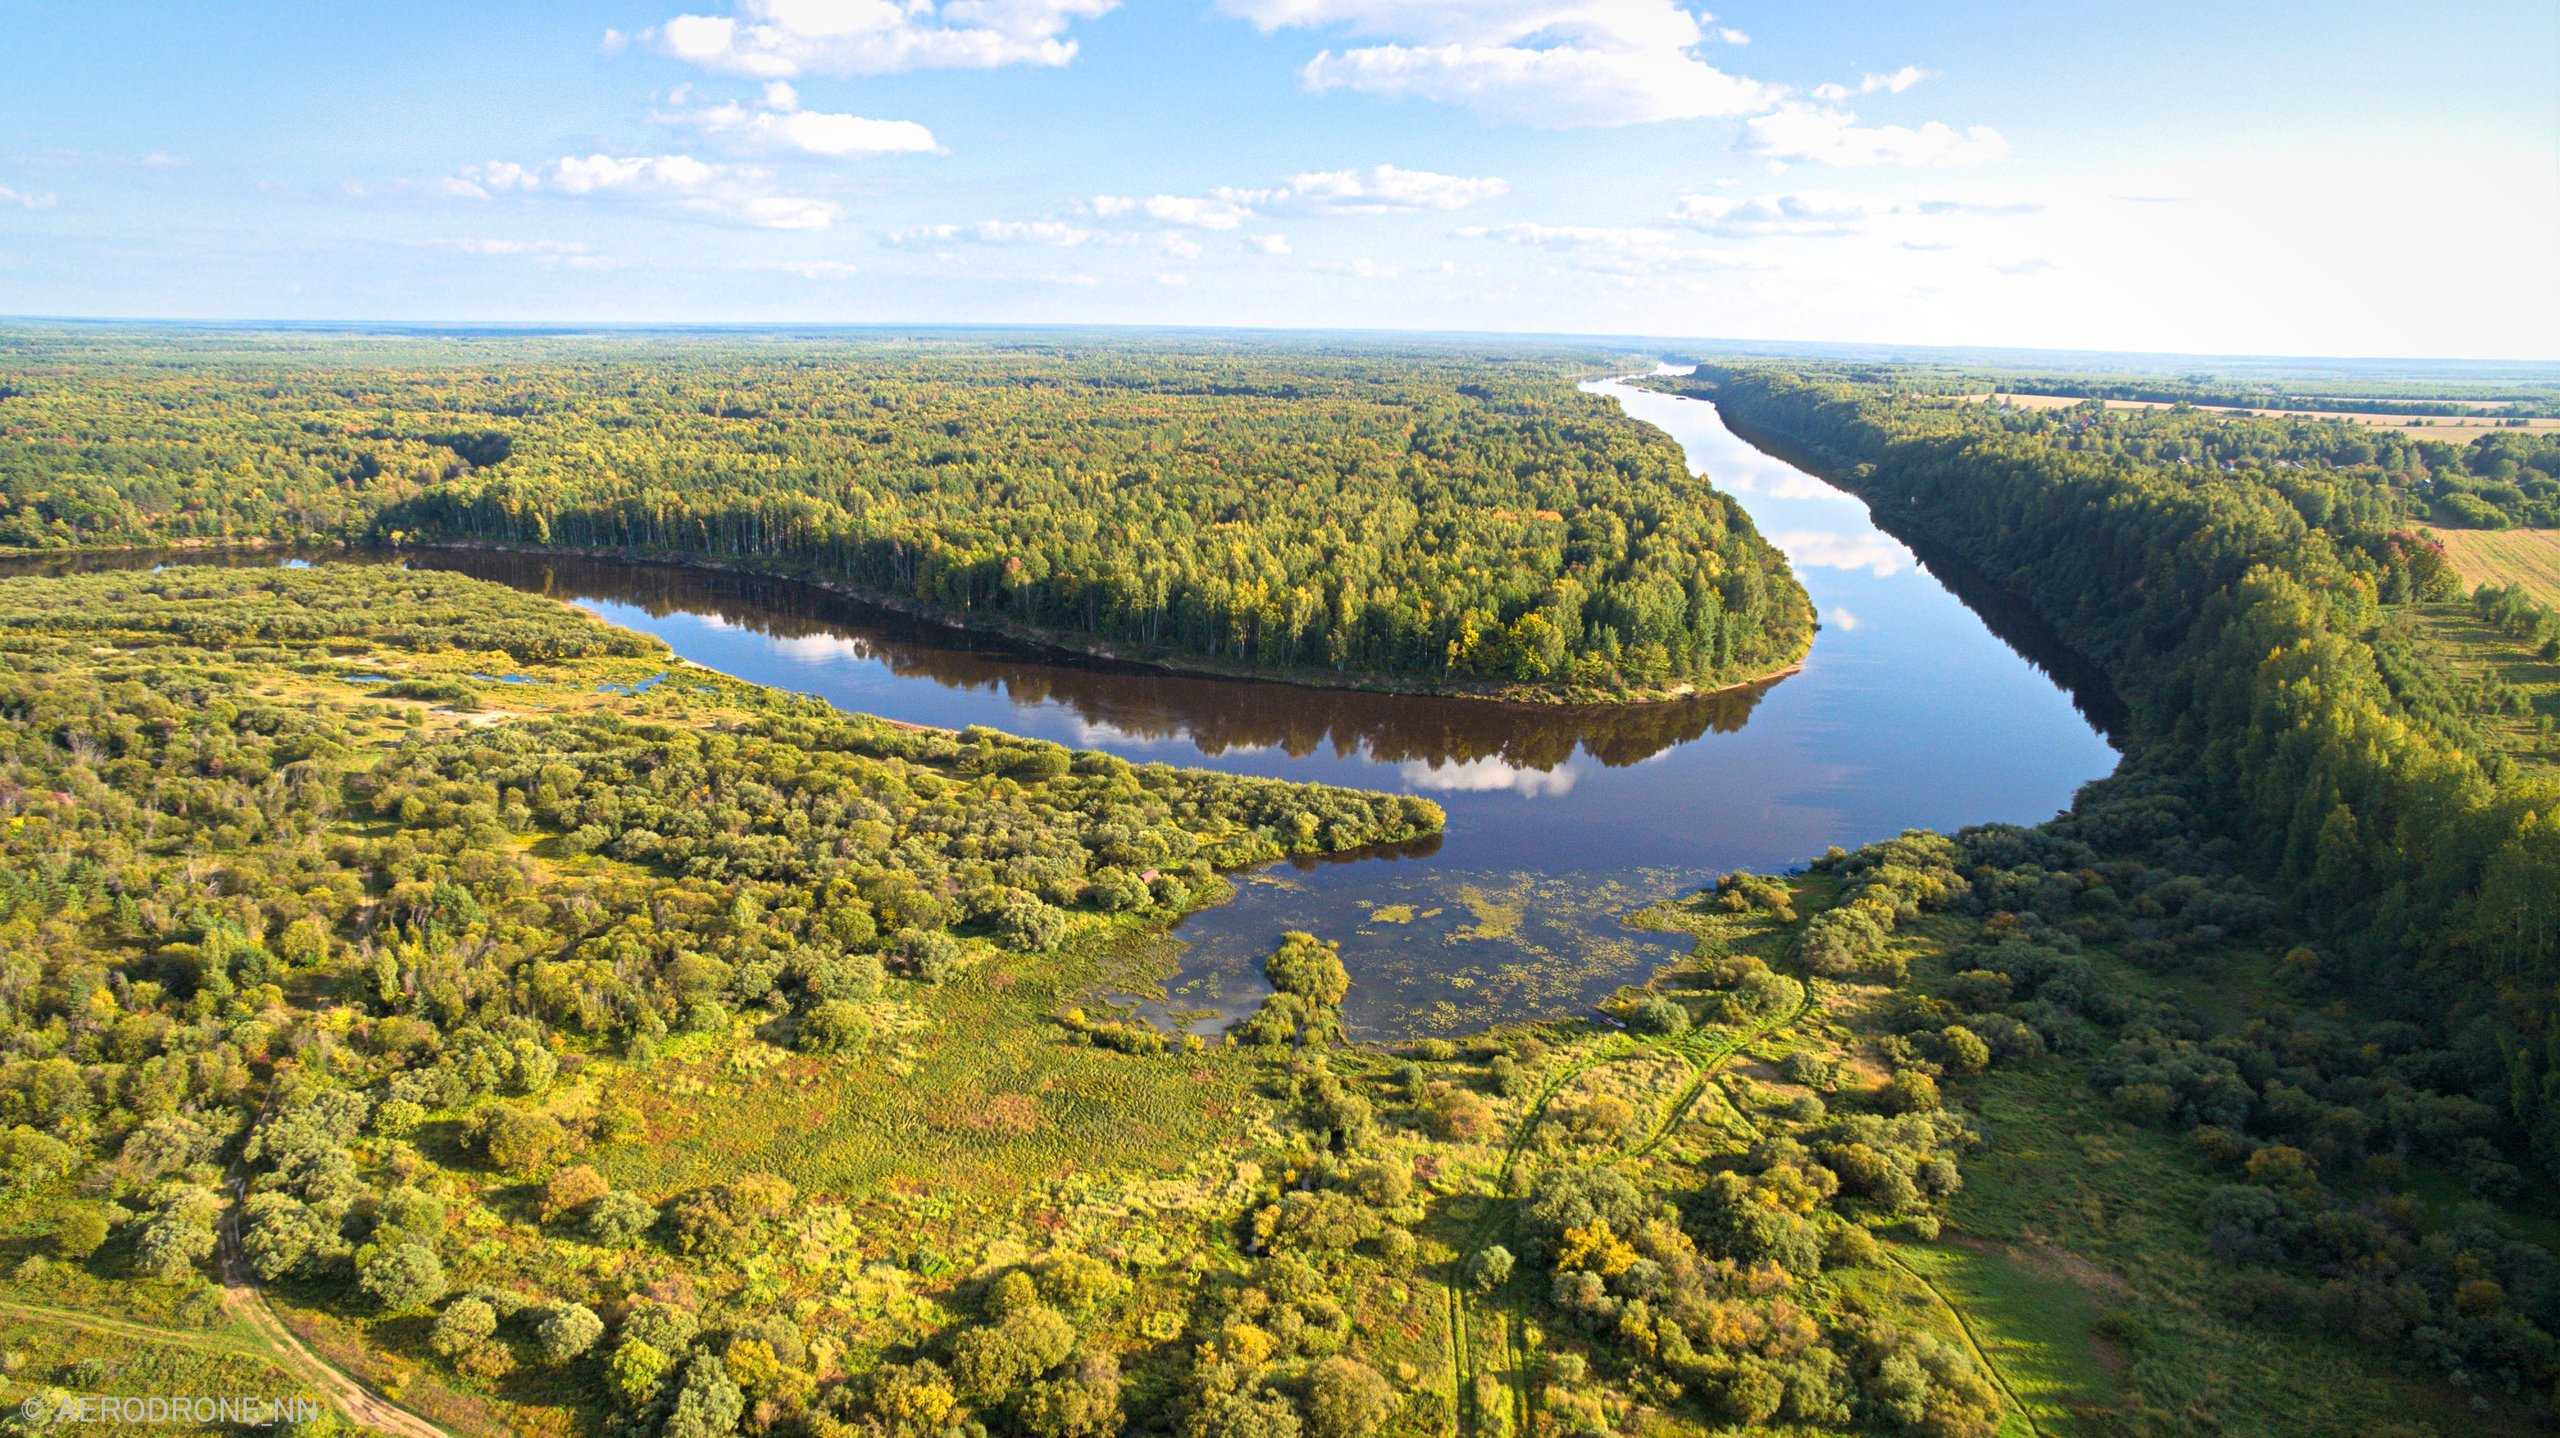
x: 1434, y: 516
x: 2292, y: 747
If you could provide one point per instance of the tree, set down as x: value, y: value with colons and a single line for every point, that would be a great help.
x: 1253, y: 1413
x: 992, y: 1362
x: 465, y: 1324
x: 637, y: 1371
x: 1658, y: 1015
x: 835, y: 1026
x: 568, y: 1331
x: 1309, y: 968
x: 517, y: 1140
x: 402, y: 1277
x: 1909, y: 1091
x: 181, y: 1235
x: 1489, y: 1268
x: 707, y: 1404
x: 279, y: 1234
x: 618, y: 1219
x: 571, y: 1189
x: 82, y: 1231
x: 1965, y: 1051
x: 1082, y: 1403
x: 1346, y: 1398
x: 912, y: 1398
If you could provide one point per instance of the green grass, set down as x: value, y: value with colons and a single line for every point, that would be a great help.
x: 2062, y: 1174
x: 2477, y: 653
x: 41, y: 1353
x: 984, y: 1094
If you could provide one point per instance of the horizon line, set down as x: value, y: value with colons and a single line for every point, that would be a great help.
x: 1889, y: 347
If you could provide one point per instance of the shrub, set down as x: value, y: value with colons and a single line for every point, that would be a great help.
x: 1489, y: 1268
x: 618, y: 1219
x: 1658, y: 1015
x: 571, y: 1189
x: 517, y: 1140
x: 403, y: 1277
x: 834, y: 1026
x: 465, y: 1324
x: 1346, y: 1398
x: 569, y: 1330
x: 80, y: 1233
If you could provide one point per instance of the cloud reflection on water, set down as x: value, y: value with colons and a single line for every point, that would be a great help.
x: 1824, y: 549
x: 1489, y: 775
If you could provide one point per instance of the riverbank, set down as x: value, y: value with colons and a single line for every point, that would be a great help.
x: 1162, y: 661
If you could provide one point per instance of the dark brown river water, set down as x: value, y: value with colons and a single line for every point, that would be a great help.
x: 1928, y: 701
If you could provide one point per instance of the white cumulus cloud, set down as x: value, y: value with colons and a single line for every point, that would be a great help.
x: 1548, y: 63
x: 1803, y: 212
x: 1221, y: 211
x: 26, y: 200
x: 1817, y: 134
x: 1891, y: 84
x: 779, y: 124
x: 1385, y: 188
x: 772, y: 38
x: 740, y: 194
x: 1827, y: 549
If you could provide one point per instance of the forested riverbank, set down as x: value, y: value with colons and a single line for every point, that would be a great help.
x: 2317, y: 835
x: 1431, y: 518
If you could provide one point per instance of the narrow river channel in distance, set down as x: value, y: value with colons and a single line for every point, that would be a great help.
x: 1910, y: 712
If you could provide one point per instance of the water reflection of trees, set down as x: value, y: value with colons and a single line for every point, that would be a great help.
x: 2022, y: 629
x: 1216, y: 715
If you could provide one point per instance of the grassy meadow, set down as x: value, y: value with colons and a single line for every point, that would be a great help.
x: 2528, y: 558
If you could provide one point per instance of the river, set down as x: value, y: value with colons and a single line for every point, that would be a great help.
x: 1912, y: 711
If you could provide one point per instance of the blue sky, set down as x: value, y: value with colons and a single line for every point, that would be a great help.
x: 2339, y: 178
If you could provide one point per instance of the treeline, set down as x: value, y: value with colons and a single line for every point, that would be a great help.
x: 2222, y: 394
x: 2237, y: 609
x: 1444, y: 518
x: 2340, y: 474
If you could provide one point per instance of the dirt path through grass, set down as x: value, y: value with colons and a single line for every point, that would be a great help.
x: 242, y: 1299
x: 141, y: 1332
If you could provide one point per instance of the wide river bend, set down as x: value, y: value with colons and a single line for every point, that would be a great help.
x: 1913, y: 710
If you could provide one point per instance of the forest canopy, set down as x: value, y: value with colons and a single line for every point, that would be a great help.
x: 1427, y: 515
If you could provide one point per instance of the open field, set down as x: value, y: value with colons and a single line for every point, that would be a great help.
x: 2459, y: 429
x: 2527, y: 557
x: 2514, y: 692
